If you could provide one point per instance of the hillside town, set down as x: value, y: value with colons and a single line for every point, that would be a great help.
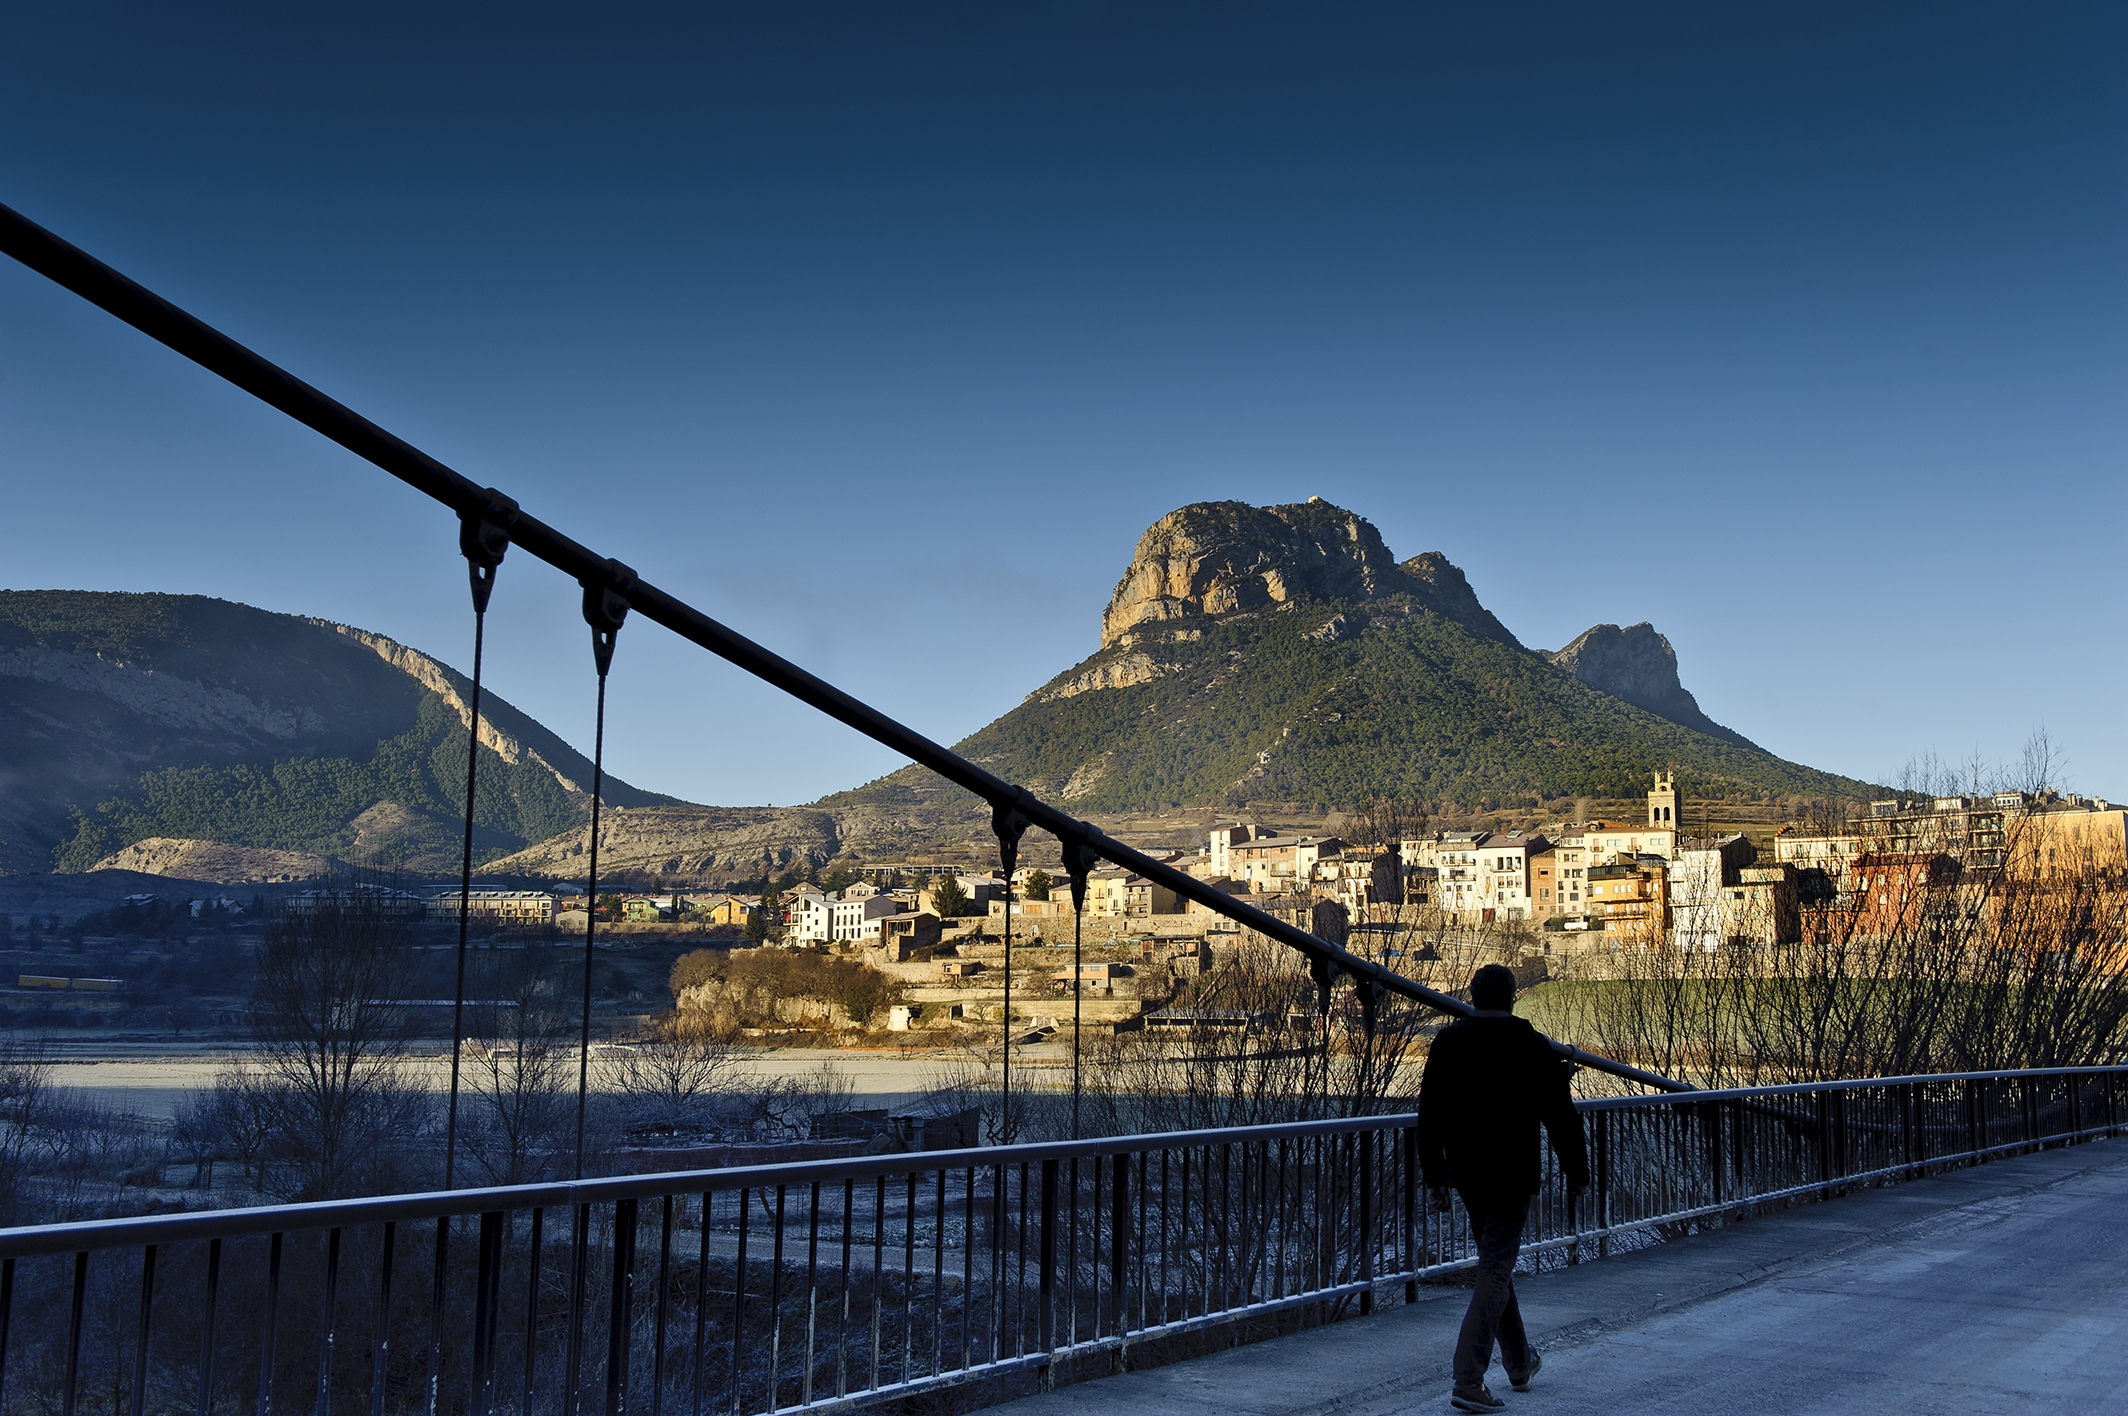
x: 1573, y: 895
x: 1646, y: 878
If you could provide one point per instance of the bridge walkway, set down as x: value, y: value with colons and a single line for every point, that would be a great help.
x: 1998, y: 1288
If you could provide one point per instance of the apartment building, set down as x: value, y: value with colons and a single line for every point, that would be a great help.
x: 2054, y: 833
x: 1699, y: 871
x: 1458, y: 880
x: 1504, y: 875
x: 853, y: 921
x: 1273, y: 865
x: 1822, y: 859
x: 805, y: 916
x: 2075, y: 835
x: 1762, y: 907
x: 1559, y: 878
x: 1632, y: 898
x: 1142, y: 898
x: 1363, y: 877
x: 1220, y: 846
x: 1606, y: 841
x: 492, y: 907
x: 1893, y: 889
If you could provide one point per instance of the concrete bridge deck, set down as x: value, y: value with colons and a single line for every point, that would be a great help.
x: 1995, y: 1289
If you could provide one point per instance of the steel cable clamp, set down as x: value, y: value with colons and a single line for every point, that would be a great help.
x: 606, y: 609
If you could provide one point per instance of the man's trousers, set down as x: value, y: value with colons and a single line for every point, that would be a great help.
x: 1496, y: 1224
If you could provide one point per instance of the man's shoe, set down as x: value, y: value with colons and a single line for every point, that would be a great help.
x: 1521, y: 1383
x: 1481, y: 1399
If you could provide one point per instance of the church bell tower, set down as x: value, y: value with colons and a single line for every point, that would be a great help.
x: 1662, y: 802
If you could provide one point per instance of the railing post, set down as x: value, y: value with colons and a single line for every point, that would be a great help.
x: 325, y: 1328
x: 622, y: 1308
x: 206, y: 1359
x: 1119, y: 1250
x: 573, y: 1351
x: 1740, y: 1134
x: 273, y: 1303
x: 484, y: 1314
x: 7, y: 1313
x: 1047, y: 1263
x: 1409, y: 1138
x: 1839, y: 1124
x: 1712, y: 1113
x: 439, y: 1298
x: 1603, y: 1184
x: 73, y: 1348
x: 147, y: 1306
x: 380, y: 1351
x: 1824, y: 1109
x: 1366, y: 1234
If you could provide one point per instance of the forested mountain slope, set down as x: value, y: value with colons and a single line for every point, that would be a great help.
x: 125, y: 718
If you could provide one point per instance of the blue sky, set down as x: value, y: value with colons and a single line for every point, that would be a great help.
x: 882, y: 332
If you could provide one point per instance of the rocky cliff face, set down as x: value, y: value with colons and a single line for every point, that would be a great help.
x: 1638, y: 665
x: 692, y: 841
x: 1214, y: 559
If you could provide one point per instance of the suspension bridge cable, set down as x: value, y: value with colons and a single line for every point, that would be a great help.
x: 583, y: 1051
x: 1078, y: 864
x: 483, y: 543
x: 1010, y: 825
x: 604, y: 609
x: 164, y: 322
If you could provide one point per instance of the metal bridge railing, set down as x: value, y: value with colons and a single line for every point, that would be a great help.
x: 831, y: 1284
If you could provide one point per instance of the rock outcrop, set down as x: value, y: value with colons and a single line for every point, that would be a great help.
x: 1443, y: 588
x: 1638, y: 665
x: 688, y: 841
x: 1125, y: 672
x: 1214, y: 559
x: 216, y: 863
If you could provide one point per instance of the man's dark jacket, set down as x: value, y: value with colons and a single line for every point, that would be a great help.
x: 1490, y: 1081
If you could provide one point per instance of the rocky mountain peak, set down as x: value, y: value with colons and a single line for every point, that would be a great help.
x: 1220, y: 558
x: 1639, y: 665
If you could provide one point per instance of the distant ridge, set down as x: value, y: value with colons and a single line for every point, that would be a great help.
x: 127, y: 718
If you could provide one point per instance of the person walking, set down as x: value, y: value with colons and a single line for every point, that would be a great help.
x: 1490, y: 1081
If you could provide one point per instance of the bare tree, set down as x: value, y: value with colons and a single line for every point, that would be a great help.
x: 25, y: 1088
x: 198, y: 1136
x: 246, y: 1106
x: 784, y: 1109
x: 670, y: 1077
x: 1251, y: 1042
x: 2040, y: 767
x: 521, y: 1070
x: 329, y: 1030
